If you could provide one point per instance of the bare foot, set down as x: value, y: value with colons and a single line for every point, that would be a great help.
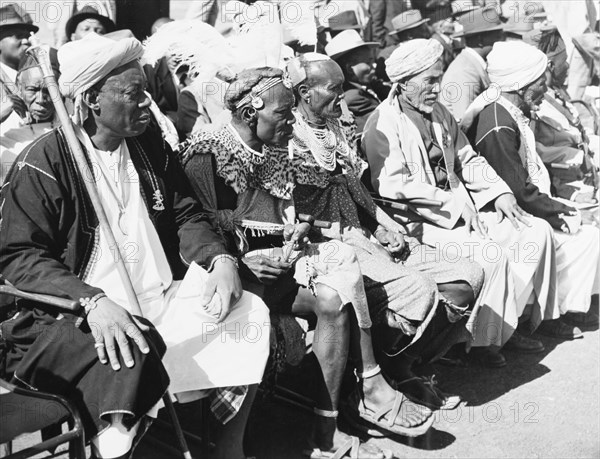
x: 378, y: 393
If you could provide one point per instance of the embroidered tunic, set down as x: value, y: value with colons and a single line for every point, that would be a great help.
x: 260, y: 203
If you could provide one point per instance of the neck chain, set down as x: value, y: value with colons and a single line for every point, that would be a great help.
x: 323, y: 142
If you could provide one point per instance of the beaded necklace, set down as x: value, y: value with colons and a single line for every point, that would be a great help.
x: 324, y: 142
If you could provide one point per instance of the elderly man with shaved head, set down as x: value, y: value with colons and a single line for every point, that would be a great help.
x: 417, y: 150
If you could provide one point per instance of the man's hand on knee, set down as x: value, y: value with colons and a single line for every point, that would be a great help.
x: 114, y: 329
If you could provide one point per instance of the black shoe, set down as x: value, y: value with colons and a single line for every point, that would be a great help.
x: 584, y: 321
x: 557, y: 328
x: 486, y: 357
x: 520, y: 343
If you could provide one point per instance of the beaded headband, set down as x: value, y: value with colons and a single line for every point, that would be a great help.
x: 253, y: 97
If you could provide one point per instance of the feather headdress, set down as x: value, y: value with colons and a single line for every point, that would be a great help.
x: 193, y: 44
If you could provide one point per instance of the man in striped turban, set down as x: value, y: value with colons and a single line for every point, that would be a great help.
x: 416, y: 150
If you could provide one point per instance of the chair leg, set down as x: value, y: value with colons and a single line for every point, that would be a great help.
x: 205, y: 427
x: 77, y: 445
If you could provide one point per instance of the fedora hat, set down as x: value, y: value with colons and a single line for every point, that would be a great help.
x: 12, y: 21
x: 407, y: 20
x: 344, y: 21
x: 460, y: 7
x: 88, y: 12
x: 480, y: 20
x: 345, y: 42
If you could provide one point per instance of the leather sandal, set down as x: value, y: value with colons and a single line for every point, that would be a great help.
x: 436, y: 398
x: 387, y: 419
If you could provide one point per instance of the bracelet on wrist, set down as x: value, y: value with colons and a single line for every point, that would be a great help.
x: 89, y: 304
x: 224, y: 256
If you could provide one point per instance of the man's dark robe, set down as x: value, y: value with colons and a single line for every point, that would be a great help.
x: 496, y: 136
x: 362, y: 101
x: 47, y: 241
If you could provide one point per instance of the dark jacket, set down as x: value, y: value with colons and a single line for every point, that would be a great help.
x: 48, y: 223
x: 496, y: 136
x: 361, y: 103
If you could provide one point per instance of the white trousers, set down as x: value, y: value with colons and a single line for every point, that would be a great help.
x: 577, y: 258
x: 518, y: 265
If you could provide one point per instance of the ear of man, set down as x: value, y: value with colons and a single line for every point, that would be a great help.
x: 90, y: 98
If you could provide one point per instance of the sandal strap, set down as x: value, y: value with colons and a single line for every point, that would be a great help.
x: 394, y: 410
x: 355, y: 450
x: 326, y: 413
x: 370, y: 373
x: 346, y: 447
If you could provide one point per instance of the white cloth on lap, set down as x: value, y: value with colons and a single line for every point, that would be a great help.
x: 200, y: 353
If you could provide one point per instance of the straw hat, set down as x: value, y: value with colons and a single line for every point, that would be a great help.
x: 345, y: 42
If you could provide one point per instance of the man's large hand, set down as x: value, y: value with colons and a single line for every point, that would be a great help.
x: 113, y: 327
x: 223, y: 289
x: 473, y: 222
x: 506, y: 206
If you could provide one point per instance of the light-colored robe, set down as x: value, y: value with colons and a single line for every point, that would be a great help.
x: 400, y: 169
x: 464, y: 80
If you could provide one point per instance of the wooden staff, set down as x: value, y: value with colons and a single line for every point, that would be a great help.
x: 42, y: 58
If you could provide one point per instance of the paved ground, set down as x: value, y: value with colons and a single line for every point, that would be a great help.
x: 544, y: 406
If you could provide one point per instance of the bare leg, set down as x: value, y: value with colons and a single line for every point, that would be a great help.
x: 331, y: 341
x: 330, y: 346
x: 375, y: 390
x: 230, y: 444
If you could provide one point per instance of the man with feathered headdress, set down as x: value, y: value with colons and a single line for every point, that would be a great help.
x: 416, y: 150
x: 55, y: 245
x: 501, y: 133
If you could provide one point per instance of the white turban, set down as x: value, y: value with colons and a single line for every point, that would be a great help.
x: 412, y: 57
x: 512, y: 65
x: 83, y: 63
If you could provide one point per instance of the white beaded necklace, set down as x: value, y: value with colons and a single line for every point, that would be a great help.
x: 323, y: 142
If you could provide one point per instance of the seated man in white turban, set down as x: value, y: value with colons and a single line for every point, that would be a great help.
x: 417, y: 151
x: 501, y: 133
x: 54, y: 245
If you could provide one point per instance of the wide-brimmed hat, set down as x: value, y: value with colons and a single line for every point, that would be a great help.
x: 521, y: 22
x: 343, y: 21
x: 12, y: 21
x: 480, y: 20
x: 407, y: 20
x: 461, y: 7
x: 88, y: 12
x: 345, y: 42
